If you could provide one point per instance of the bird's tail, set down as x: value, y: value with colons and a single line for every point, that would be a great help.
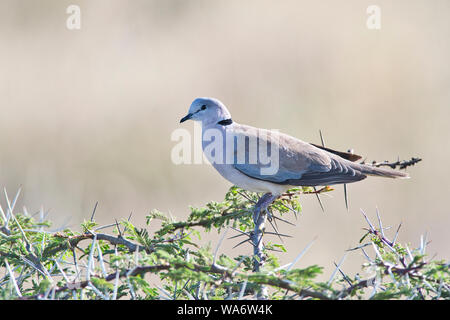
x: 383, y: 172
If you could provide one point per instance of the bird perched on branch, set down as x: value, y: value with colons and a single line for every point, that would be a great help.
x: 269, y: 161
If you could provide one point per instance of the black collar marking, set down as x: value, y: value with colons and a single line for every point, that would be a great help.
x: 225, y: 122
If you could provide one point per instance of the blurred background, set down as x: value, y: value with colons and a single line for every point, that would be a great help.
x: 87, y: 115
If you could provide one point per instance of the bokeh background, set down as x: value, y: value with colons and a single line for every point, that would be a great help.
x: 87, y: 115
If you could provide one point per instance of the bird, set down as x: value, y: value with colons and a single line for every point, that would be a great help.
x: 228, y: 146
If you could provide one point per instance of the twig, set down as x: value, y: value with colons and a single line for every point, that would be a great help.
x: 72, y: 241
x: 13, y: 279
x: 346, y: 196
x: 336, y: 270
x: 393, y: 165
x: 218, y: 245
x: 93, y: 211
x: 141, y: 270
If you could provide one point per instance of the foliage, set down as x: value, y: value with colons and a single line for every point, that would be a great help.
x: 172, y: 263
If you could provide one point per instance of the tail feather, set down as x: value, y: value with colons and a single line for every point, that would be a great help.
x: 383, y: 172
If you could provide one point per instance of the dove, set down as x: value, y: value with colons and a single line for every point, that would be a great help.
x: 240, y: 153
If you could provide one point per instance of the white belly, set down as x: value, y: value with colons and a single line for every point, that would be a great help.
x: 245, y: 182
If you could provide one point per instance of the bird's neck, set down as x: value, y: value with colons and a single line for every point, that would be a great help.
x: 225, y: 122
x: 218, y: 124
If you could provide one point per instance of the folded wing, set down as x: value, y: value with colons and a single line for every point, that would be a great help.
x: 298, y: 163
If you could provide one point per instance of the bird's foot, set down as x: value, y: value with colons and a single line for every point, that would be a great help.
x: 262, y: 206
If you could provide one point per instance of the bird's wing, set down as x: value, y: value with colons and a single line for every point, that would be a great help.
x: 297, y: 163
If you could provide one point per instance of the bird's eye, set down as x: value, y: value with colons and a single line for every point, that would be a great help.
x: 203, y: 107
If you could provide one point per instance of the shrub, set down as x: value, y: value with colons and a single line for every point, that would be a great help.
x: 94, y: 264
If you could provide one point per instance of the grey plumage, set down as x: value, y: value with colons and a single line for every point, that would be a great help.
x: 299, y: 163
x: 303, y: 164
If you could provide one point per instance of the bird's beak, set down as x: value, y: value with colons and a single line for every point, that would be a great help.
x: 189, y: 115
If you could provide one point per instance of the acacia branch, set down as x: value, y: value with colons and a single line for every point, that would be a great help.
x: 72, y: 241
x: 173, y: 226
x: 213, y: 269
x: 401, y: 164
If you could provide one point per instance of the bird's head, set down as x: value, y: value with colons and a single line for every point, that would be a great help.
x: 208, y: 111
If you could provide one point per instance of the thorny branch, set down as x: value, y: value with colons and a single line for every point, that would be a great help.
x: 72, y: 241
x: 390, y: 261
x: 400, y: 164
x: 227, y: 274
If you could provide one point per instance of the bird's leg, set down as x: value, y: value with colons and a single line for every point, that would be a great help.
x: 259, y: 218
x: 261, y: 206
